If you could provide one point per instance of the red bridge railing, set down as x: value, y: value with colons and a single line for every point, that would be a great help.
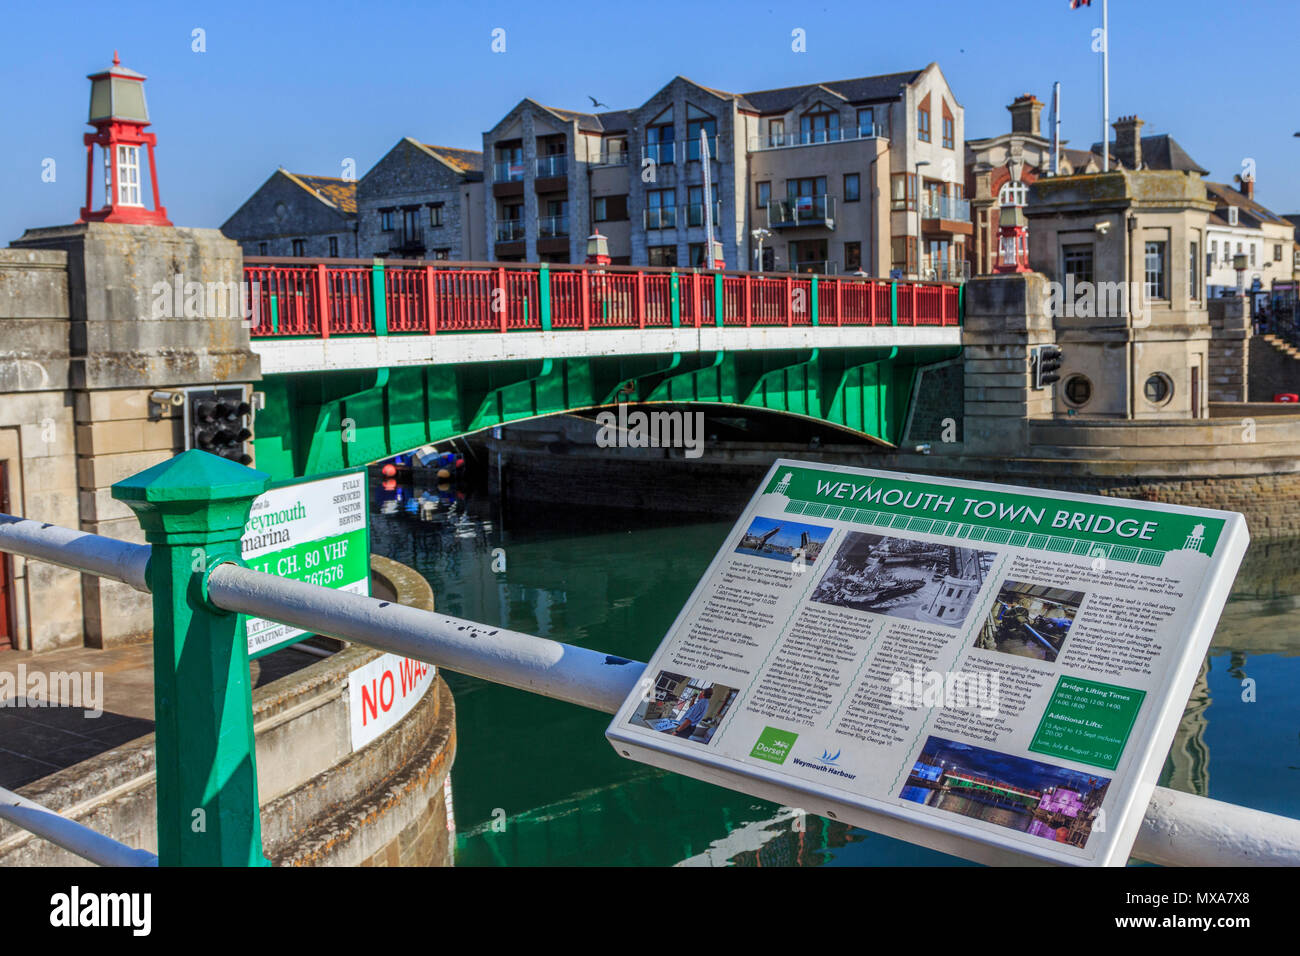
x: 290, y: 297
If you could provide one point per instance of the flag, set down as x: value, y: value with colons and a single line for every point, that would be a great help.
x: 1076, y: 4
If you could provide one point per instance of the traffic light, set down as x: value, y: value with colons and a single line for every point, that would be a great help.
x: 1046, y: 365
x: 217, y: 420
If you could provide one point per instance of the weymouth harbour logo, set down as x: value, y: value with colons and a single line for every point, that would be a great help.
x: 826, y: 764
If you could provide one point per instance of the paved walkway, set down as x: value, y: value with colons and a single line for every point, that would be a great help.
x: 35, y: 741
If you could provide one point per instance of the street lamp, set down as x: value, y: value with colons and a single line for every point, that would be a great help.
x: 919, y: 164
x: 759, y: 235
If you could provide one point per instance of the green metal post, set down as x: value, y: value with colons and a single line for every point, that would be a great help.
x: 193, y: 509
x: 893, y: 303
x: 379, y: 298
x: 275, y: 315
x: 674, y: 284
x: 814, y: 301
x: 961, y: 304
x: 717, y: 298
x: 544, y: 295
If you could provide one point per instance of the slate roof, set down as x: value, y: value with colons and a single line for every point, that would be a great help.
x: 863, y: 89
x: 462, y: 160
x: 1250, y: 215
x: 340, y: 192
x: 1160, y: 152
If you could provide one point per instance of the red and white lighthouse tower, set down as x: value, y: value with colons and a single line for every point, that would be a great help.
x: 119, y: 115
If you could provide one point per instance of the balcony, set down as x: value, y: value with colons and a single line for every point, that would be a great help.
x: 695, y: 213
x: 944, y: 270
x: 826, y: 267
x: 510, y: 230
x: 510, y: 171
x: 552, y: 166
x: 944, y: 207
x: 661, y: 217
x: 693, y: 148
x: 820, y: 137
x: 407, y: 243
x: 612, y: 157
x: 660, y: 153
x: 552, y: 227
x: 802, y: 211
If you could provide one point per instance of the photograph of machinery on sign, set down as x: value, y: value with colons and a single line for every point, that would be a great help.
x: 685, y: 707
x: 915, y: 580
x: 1030, y: 620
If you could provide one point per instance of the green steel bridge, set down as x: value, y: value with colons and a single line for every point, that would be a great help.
x: 363, y: 360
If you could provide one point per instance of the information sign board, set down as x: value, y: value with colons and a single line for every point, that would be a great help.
x: 992, y: 671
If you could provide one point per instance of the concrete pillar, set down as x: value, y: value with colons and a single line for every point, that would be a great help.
x: 1004, y: 321
x: 149, y: 308
x: 1229, y: 350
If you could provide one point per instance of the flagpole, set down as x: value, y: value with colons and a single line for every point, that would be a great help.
x: 1105, y: 86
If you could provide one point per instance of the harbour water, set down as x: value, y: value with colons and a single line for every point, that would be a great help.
x: 536, y: 783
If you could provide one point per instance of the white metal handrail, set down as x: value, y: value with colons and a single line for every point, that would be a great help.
x: 69, y: 834
x: 1179, y: 829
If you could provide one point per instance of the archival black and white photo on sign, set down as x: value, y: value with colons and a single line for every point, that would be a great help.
x: 1029, y: 620
x: 915, y: 580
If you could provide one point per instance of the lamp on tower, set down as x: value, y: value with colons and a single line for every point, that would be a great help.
x: 598, y: 250
x: 119, y: 115
x: 1013, y: 240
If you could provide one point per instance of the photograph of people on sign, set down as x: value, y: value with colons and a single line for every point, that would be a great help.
x: 1031, y: 620
x: 934, y: 583
x: 684, y: 707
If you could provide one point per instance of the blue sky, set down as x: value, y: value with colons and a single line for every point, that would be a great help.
x: 309, y: 85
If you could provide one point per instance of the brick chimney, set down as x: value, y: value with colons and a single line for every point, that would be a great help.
x: 1025, y: 111
x: 1128, y: 141
x: 1246, y: 186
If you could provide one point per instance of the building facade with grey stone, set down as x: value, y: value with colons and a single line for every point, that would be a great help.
x: 292, y: 214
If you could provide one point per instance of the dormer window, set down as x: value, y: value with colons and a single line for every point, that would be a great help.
x: 1232, y: 215
x: 821, y: 124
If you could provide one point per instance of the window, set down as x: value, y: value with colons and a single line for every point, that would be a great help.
x: 1077, y: 390
x: 261, y: 248
x: 1077, y: 261
x: 610, y: 208
x: 709, y: 126
x: 696, y: 253
x: 1155, y: 271
x: 1214, y: 249
x: 659, y: 143
x: 1277, y: 252
x: 851, y: 185
x: 1159, y: 388
x: 442, y: 253
x: 614, y: 151
x: 903, y: 253
x: 300, y: 247
x: 435, y: 214
x: 600, y: 209
x: 334, y: 247
x: 1194, y: 270
x: 776, y: 132
x: 821, y: 125
x: 902, y: 191
x: 509, y: 163
x: 128, y: 175
x: 866, y: 122
x: 660, y: 213
x: 852, y: 256
x: 386, y: 220
x: 411, y: 222
x: 663, y: 256
x: 1252, y: 255
x: 1013, y: 193
x: 948, y: 128
x: 764, y: 194
x: 923, y: 121
x: 695, y: 206
x: 1232, y: 218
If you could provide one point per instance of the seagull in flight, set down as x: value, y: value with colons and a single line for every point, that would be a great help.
x: 595, y: 103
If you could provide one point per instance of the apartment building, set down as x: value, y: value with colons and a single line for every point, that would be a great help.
x: 423, y: 202
x: 292, y: 214
x: 1239, y: 226
x: 851, y: 175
